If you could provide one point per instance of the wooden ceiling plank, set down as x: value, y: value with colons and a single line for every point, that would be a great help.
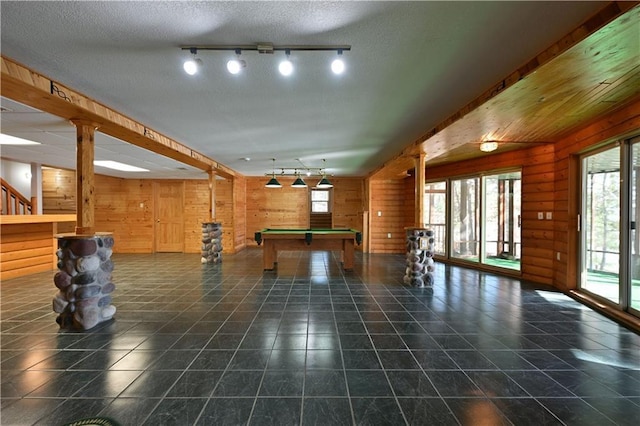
x: 557, y: 60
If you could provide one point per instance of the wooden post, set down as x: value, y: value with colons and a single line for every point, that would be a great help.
x: 419, y: 185
x: 212, y: 195
x: 85, y: 180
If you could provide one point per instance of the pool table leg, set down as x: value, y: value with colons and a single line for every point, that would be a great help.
x: 269, y: 255
x: 347, y: 253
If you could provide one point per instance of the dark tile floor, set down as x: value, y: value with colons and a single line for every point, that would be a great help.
x: 229, y: 344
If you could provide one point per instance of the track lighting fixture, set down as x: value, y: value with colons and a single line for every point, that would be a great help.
x: 286, y: 68
x: 192, y: 65
x: 299, y: 182
x: 234, y: 66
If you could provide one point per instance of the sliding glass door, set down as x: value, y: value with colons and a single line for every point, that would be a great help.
x: 634, y: 235
x: 465, y: 219
x: 610, y: 243
x: 501, y: 220
x: 601, y: 224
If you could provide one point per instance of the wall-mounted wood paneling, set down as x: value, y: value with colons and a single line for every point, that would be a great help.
x: 239, y: 213
x: 196, y: 211
x: 125, y: 207
x: 288, y: 207
x: 388, y: 215
x: 224, y: 213
x: 348, y: 202
x: 284, y: 207
x: 58, y: 191
x: 26, y: 249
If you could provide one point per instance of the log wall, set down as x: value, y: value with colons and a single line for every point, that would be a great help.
x: 27, y: 245
x: 26, y: 249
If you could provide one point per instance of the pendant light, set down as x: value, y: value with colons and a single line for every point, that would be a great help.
x: 273, y: 182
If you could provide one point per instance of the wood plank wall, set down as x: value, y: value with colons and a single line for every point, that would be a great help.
x: 196, y: 211
x: 389, y: 198
x: 288, y: 207
x: 348, y: 202
x: 119, y: 210
x: 231, y: 212
x: 26, y: 249
x: 240, y: 213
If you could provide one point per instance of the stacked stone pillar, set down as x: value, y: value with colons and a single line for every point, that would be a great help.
x: 211, y: 242
x: 420, y: 265
x: 84, y: 281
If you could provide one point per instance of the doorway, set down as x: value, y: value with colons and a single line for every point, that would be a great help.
x: 609, y: 217
x: 169, y: 216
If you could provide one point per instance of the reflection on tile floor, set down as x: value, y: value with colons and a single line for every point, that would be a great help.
x: 309, y: 344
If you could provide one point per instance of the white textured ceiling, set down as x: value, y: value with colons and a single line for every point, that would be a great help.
x: 412, y: 65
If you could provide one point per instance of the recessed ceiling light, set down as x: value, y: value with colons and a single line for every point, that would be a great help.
x: 12, y: 140
x: 118, y: 166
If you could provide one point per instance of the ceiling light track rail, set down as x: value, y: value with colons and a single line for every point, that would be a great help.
x: 268, y: 47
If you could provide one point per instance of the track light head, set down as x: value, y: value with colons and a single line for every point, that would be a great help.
x: 286, y: 66
x: 192, y: 65
x: 234, y: 66
x: 337, y: 66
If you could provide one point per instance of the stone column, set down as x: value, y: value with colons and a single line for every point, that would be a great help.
x: 211, y: 242
x: 84, y: 280
x: 420, y: 265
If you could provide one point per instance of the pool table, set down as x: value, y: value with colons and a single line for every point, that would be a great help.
x: 307, y: 239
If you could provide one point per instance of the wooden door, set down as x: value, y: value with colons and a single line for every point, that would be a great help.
x: 169, y: 229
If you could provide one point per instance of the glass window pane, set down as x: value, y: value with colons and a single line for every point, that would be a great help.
x: 435, y: 211
x: 634, y: 237
x: 319, y: 207
x: 465, y: 219
x: 317, y: 195
x: 601, y: 224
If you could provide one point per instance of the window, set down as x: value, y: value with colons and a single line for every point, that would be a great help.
x: 465, y: 223
x: 320, y: 201
x: 435, y: 211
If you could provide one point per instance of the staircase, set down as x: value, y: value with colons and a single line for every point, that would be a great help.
x: 13, y: 203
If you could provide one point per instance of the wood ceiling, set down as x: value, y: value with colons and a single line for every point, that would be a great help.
x: 571, y: 83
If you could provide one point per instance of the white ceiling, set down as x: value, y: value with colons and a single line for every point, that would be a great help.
x: 412, y: 65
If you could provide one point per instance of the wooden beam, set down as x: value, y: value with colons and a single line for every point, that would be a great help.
x: 419, y: 188
x: 85, y: 178
x: 212, y: 195
x: 21, y: 84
